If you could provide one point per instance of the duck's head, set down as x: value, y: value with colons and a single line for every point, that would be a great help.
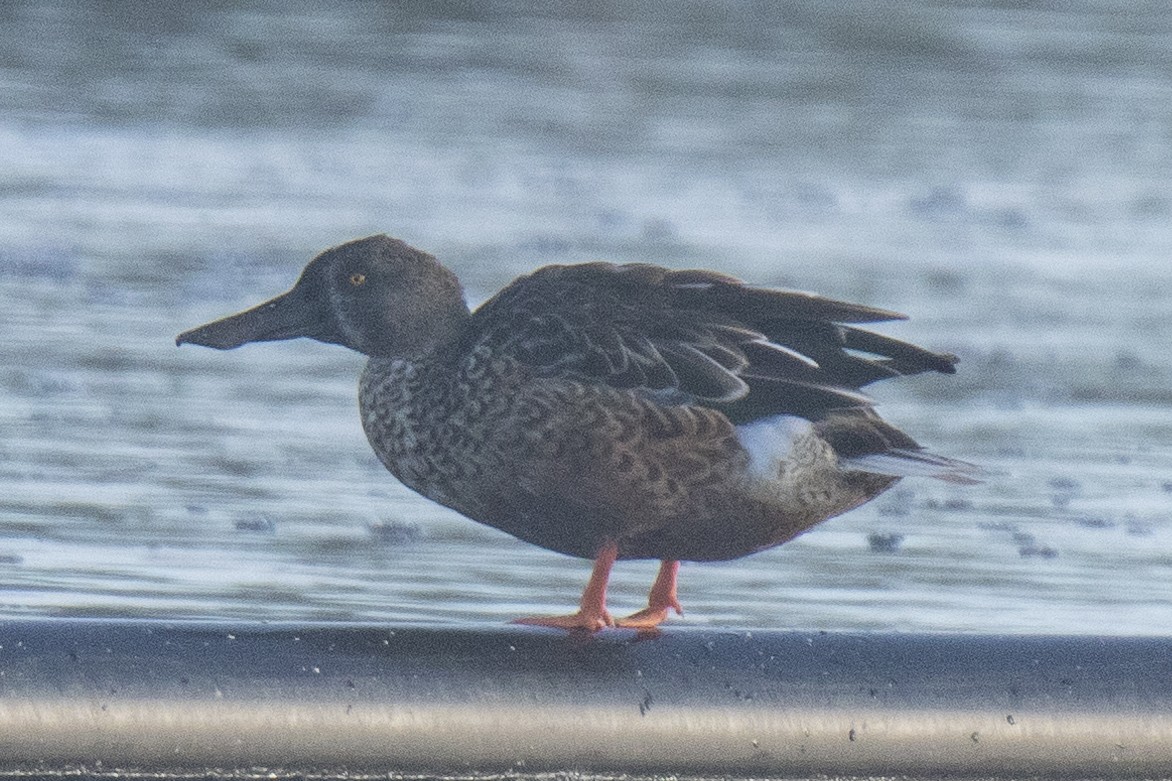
x: 376, y: 295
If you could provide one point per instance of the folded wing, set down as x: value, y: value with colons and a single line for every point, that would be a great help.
x: 698, y: 337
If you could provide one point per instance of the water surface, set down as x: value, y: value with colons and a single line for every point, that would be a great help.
x: 999, y: 173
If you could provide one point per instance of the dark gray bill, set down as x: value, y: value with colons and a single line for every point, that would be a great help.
x: 287, y: 316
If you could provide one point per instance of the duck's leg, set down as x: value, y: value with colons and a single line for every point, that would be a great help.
x: 661, y: 599
x: 591, y: 614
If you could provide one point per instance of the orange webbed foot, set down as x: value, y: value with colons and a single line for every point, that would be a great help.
x: 660, y: 601
x: 592, y: 614
x: 649, y: 617
x: 587, y: 621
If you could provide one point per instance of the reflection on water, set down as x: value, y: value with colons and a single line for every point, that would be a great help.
x: 1000, y: 175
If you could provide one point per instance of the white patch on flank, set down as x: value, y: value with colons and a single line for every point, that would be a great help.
x: 769, y: 441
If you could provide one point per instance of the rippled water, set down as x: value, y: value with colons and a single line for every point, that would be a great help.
x: 1000, y: 174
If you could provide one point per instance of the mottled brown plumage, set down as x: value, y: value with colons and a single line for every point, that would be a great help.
x: 610, y: 411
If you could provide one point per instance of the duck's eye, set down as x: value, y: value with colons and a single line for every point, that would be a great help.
x: 357, y: 280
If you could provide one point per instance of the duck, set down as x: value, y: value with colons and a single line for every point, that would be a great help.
x: 611, y: 411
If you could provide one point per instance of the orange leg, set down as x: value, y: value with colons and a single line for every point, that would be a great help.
x: 661, y: 599
x: 591, y: 614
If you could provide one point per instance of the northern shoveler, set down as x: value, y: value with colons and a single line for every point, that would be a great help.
x: 610, y: 411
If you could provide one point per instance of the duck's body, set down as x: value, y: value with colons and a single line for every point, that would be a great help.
x: 568, y: 466
x: 610, y: 412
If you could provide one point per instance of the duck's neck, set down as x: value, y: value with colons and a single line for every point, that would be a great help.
x: 419, y: 338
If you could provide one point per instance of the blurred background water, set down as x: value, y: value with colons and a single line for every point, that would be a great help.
x: 1000, y: 171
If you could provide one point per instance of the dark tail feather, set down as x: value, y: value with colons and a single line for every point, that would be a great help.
x: 915, y: 463
x: 903, y: 357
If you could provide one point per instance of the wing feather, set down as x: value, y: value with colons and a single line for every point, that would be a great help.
x: 697, y: 337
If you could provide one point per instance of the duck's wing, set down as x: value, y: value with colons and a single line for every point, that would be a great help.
x: 697, y: 337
